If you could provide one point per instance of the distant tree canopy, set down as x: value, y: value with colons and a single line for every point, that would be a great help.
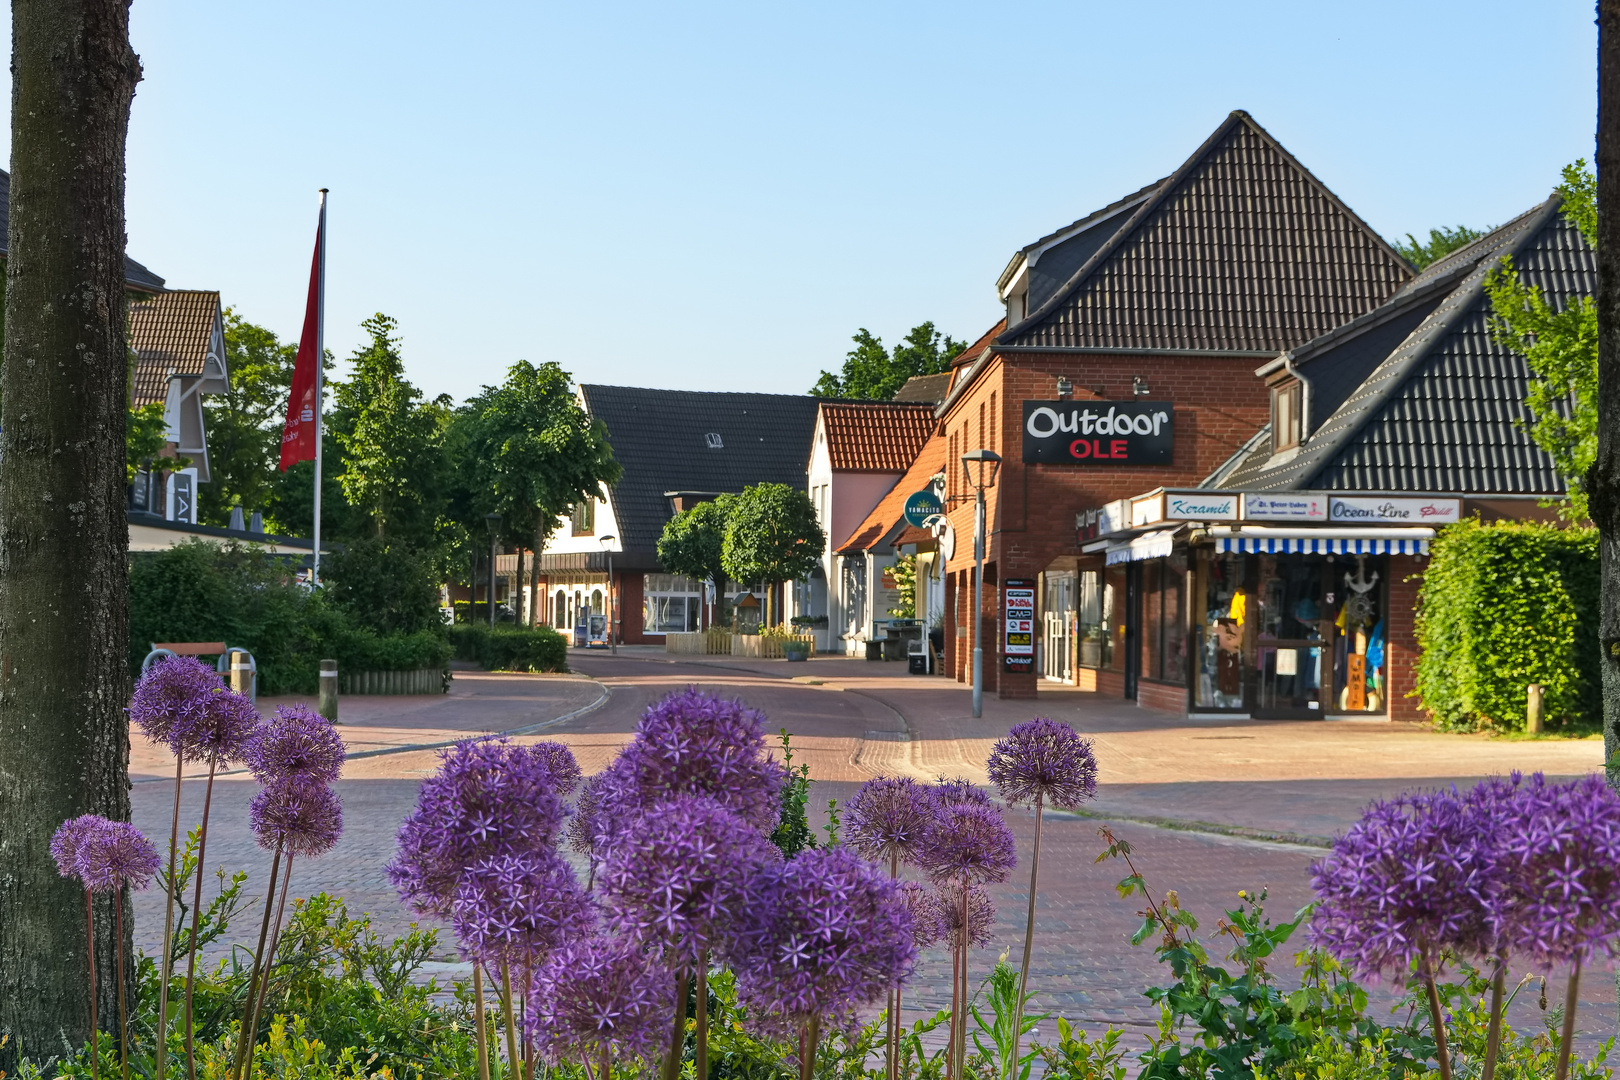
x: 873, y: 373
x: 772, y: 535
x: 694, y: 540
x: 244, y: 423
x: 1441, y: 242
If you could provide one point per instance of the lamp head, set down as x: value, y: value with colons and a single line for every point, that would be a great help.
x: 980, y: 468
x: 607, y: 541
x: 494, y: 522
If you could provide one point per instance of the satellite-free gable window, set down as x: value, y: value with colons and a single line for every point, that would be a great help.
x: 713, y: 441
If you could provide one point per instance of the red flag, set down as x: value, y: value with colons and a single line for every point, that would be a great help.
x: 303, y: 404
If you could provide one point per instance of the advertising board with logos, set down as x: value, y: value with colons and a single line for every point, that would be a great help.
x: 1018, y: 637
x: 1285, y: 506
x: 1110, y: 518
x: 1099, y: 432
x: 1162, y: 505
x: 1393, y: 510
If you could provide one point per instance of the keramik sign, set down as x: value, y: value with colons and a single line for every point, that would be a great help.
x: 1099, y: 432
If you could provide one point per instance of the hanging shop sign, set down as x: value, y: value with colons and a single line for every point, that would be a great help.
x: 1288, y: 506
x: 1018, y: 640
x: 1161, y: 505
x: 921, y: 506
x: 1099, y: 432
x: 1376, y: 508
x: 1110, y: 518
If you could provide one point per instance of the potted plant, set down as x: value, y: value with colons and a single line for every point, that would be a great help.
x: 795, y: 649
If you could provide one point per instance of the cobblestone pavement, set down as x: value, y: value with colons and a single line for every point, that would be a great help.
x: 851, y: 720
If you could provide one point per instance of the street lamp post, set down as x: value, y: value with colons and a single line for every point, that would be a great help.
x: 494, y: 523
x: 613, y: 608
x: 980, y: 468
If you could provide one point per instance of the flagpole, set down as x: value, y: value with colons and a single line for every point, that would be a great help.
x: 320, y: 380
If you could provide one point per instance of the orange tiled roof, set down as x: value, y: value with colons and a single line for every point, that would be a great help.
x: 891, y: 509
x: 972, y: 352
x: 171, y: 333
x: 875, y: 436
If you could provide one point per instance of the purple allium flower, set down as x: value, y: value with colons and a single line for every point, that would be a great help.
x: 981, y: 915
x: 600, y: 995
x: 297, y: 743
x: 927, y: 918
x: 1559, y: 868
x: 561, y: 763
x: 65, y: 843
x: 581, y: 830
x: 224, y: 729
x: 680, y: 876
x: 1044, y: 759
x: 174, y: 693
x: 517, y: 909
x: 950, y: 792
x: 692, y: 743
x: 306, y: 818
x: 831, y: 933
x: 111, y: 854
x: 487, y: 799
x: 970, y: 843
x: 889, y: 818
x: 1406, y: 881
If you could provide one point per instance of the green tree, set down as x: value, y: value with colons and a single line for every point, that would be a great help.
x: 693, y: 542
x: 1560, y: 346
x: 873, y: 373
x: 531, y: 453
x: 1441, y: 242
x: 146, y: 433
x: 245, y: 422
x: 772, y: 535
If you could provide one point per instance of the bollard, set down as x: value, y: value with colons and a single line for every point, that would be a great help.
x: 241, y: 673
x: 329, y: 690
x: 1533, y: 709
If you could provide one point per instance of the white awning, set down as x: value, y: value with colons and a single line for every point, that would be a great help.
x: 1153, y: 545
x: 1342, y: 540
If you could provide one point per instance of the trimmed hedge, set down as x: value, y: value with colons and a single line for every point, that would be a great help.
x: 1503, y: 606
x: 510, y: 648
x: 197, y: 591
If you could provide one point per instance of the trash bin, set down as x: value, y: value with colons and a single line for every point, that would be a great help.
x: 917, y: 658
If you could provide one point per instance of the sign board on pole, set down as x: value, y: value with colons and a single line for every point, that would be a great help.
x: 1286, y: 506
x: 921, y: 506
x: 1018, y: 641
x: 1099, y: 432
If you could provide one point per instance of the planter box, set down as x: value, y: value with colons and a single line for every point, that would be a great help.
x: 421, y: 681
x: 767, y: 648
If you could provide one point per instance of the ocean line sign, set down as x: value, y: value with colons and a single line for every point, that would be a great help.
x: 1099, y: 432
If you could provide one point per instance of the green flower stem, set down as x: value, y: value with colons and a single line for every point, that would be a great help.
x: 269, y: 960
x: 672, y: 1060
x: 1566, y: 1045
x: 1493, y: 1040
x: 703, y: 1016
x: 480, y: 1028
x: 165, y: 964
x: 1442, y: 1055
x: 196, y: 917
x: 118, y: 948
x: 90, y: 954
x: 246, y: 1038
x: 1029, y: 942
x: 807, y: 1048
x: 513, y: 1064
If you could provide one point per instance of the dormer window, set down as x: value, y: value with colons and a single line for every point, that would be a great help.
x: 585, y: 518
x: 1285, y: 416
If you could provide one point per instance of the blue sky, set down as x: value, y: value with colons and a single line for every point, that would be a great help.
x: 715, y: 196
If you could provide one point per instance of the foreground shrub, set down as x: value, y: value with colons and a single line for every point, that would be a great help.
x: 510, y: 648
x: 1503, y: 606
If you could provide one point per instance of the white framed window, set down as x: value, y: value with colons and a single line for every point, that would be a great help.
x: 670, y: 604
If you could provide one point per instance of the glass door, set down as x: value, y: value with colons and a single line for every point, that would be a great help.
x: 1292, y: 636
x: 1355, y: 605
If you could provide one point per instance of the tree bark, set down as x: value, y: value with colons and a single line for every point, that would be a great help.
x: 64, y: 674
x: 1603, y: 483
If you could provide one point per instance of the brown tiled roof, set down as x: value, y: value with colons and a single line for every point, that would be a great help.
x: 971, y: 353
x: 875, y: 436
x: 927, y: 389
x: 891, y: 509
x: 171, y: 333
x: 1242, y: 250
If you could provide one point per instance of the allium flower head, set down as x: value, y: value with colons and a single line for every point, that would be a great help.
x: 517, y: 909
x: 600, y: 994
x: 831, y: 933
x: 65, y: 842
x: 1043, y: 759
x: 981, y: 915
x: 1559, y: 870
x: 305, y: 818
x: 225, y: 729
x: 112, y: 854
x: 296, y: 744
x: 561, y: 763
x: 1409, y: 879
x: 692, y: 743
x: 681, y: 875
x: 487, y: 799
x: 174, y: 693
x: 950, y: 792
x: 927, y: 919
x: 969, y: 843
x: 889, y: 818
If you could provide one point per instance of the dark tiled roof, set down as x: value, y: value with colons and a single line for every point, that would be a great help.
x: 171, y: 333
x: 926, y: 389
x: 1442, y: 408
x: 661, y: 438
x: 136, y: 276
x: 875, y: 436
x: 1241, y: 250
x: 891, y: 509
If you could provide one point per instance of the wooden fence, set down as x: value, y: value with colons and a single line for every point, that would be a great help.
x: 421, y: 681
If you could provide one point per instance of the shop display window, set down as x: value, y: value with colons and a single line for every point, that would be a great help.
x: 1356, y: 607
x: 1164, y: 638
x: 670, y: 604
x: 1222, y: 619
x: 1096, y: 620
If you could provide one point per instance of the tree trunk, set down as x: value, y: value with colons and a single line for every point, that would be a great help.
x: 1603, y: 482
x: 518, y: 618
x: 534, y: 573
x: 64, y: 592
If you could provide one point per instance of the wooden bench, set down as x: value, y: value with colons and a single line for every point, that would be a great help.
x: 192, y: 648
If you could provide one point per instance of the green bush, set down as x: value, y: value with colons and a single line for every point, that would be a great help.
x: 386, y: 588
x: 1503, y: 606
x: 197, y: 591
x: 510, y: 648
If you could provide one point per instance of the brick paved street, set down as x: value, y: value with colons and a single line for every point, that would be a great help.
x: 852, y: 720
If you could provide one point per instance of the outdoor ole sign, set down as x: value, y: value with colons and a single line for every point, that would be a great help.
x: 1099, y: 432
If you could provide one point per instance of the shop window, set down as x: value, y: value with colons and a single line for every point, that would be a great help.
x: 1164, y: 639
x: 670, y: 604
x: 1285, y: 401
x: 585, y: 518
x: 1096, y: 621
x: 1114, y: 615
x: 1224, y: 611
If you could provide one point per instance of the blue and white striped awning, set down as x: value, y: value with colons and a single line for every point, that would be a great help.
x: 1326, y: 545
